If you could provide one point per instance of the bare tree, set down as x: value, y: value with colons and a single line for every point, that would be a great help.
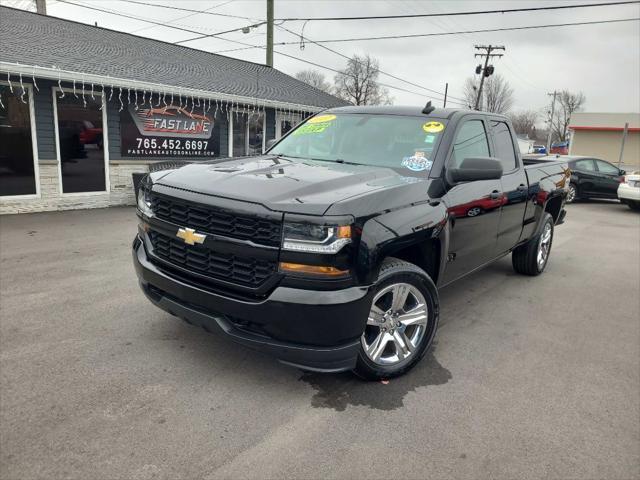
x: 566, y: 104
x: 524, y: 122
x: 497, y: 94
x: 470, y: 92
x: 358, y: 83
x: 315, y: 79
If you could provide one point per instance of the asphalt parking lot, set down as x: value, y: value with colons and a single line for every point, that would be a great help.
x: 529, y: 378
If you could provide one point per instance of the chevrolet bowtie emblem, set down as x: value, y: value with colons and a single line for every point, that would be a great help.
x: 190, y: 236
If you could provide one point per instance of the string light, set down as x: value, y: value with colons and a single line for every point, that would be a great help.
x: 192, y: 104
x: 33, y: 78
x: 23, y: 90
x: 144, y: 97
x: 111, y: 94
x: 171, y: 100
x: 60, y: 84
x: 128, y: 96
x: 74, y: 88
x: 84, y: 100
x: 158, y: 104
x: 9, y: 80
x: 102, y: 96
x: 136, y: 99
x: 120, y: 98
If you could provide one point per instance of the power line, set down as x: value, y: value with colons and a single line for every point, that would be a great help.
x: 453, y: 14
x: 171, y: 7
x: 161, y: 24
x: 185, y: 16
x: 417, y: 35
x: 380, y: 71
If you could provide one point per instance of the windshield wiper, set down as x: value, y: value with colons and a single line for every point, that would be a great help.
x: 340, y: 160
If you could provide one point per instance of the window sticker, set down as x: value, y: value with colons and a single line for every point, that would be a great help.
x: 433, y: 127
x: 429, y: 139
x: 322, y: 119
x: 312, y: 128
x: 417, y: 162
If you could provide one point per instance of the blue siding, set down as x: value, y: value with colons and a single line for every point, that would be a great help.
x: 44, y: 119
x: 45, y: 130
x: 271, y: 124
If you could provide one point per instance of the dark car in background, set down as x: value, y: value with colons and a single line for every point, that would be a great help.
x: 593, y: 178
x: 590, y: 177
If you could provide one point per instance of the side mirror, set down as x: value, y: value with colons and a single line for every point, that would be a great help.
x: 623, y: 172
x: 269, y: 144
x: 476, y: 168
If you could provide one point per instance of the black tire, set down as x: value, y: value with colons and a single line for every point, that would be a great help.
x: 633, y: 205
x: 525, y: 257
x: 395, y: 271
x: 572, y: 194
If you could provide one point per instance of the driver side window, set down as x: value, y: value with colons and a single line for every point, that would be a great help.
x: 471, y: 141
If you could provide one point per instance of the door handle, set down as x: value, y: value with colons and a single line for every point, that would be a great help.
x: 522, y: 187
x: 495, y: 195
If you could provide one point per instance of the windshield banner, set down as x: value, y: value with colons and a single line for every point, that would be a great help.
x: 169, y: 131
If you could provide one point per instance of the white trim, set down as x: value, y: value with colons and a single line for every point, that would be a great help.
x: 34, y: 146
x: 105, y: 145
x: 70, y: 76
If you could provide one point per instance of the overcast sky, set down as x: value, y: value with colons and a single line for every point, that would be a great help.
x: 603, y: 61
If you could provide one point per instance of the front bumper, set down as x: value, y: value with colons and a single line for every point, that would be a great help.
x: 313, y: 330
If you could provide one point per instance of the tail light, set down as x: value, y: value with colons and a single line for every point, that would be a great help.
x: 622, y: 179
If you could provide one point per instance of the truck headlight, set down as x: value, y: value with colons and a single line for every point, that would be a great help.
x: 313, y: 238
x: 144, y: 204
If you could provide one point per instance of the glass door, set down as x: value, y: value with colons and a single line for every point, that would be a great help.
x: 81, y: 149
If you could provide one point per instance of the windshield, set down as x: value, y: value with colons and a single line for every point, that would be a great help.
x: 399, y: 142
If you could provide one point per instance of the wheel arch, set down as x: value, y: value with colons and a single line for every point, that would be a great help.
x: 418, y: 235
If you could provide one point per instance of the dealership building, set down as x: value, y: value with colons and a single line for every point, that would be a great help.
x: 602, y: 135
x: 82, y: 108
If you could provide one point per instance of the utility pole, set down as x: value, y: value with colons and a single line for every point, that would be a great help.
x: 270, y: 33
x: 625, y: 132
x: 446, y: 89
x: 553, y: 111
x: 41, y: 7
x: 487, y: 70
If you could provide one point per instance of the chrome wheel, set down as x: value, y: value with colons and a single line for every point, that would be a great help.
x: 474, y: 212
x: 545, y: 246
x: 396, y: 325
x: 571, y: 194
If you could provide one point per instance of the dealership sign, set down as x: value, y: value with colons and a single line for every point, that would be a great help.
x: 170, y: 131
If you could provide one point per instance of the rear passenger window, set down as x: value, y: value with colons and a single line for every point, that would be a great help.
x: 503, y: 142
x: 471, y: 141
x: 585, y: 165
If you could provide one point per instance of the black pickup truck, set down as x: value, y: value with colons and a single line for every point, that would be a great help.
x: 328, y: 251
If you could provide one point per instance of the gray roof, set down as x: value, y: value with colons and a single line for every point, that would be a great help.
x: 31, y: 39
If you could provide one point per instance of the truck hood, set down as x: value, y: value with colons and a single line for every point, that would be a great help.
x: 298, y: 186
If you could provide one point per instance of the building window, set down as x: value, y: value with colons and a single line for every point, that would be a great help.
x: 17, y: 145
x: 285, y: 122
x: 247, y: 134
x: 81, y: 143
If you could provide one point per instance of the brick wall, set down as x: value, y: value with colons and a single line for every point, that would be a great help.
x: 50, y: 199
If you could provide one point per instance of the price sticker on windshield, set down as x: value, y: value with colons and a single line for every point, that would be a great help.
x: 433, y: 127
x: 322, y: 119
